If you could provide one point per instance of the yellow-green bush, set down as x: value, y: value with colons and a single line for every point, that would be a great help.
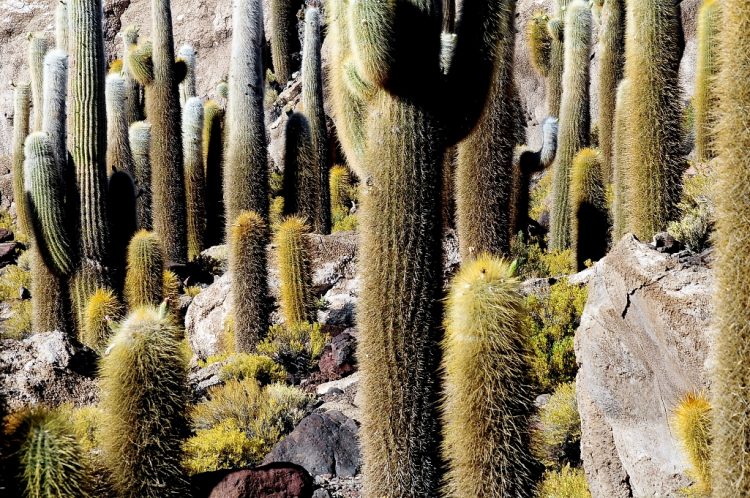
x: 534, y: 262
x: 18, y: 325
x: 12, y: 279
x: 224, y: 446
x: 296, y: 347
x: 540, y: 197
x: 557, y: 437
x: 343, y: 222
x: 552, y: 322
x: 697, y: 206
x: 691, y: 421
x: 253, y: 366
x: 566, y: 483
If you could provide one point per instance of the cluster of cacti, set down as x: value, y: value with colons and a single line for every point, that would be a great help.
x: 195, y: 180
x: 588, y: 205
x: 706, y: 98
x: 295, y: 275
x: 611, y: 64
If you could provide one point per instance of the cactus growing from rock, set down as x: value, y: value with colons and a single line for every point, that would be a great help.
x: 119, y: 155
x: 145, y: 400
x: 295, y: 274
x: 188, y: 55
x: 213, y: 160
x: 620, y: 163
x: 133, y: 89
x: 140, y: 146
x: 247, y: 262
x: 54, y: 108
x: 195, y: 182
x: 61, y: 27
x: 486, y: 427
x: 284, y: 37
x: 145, y: 275
x: 588, y: 204
x: 655, y: 164
x: 706, y: 100
x: 556, y: 66
x: 103, y: 311
x: 246, y: 163
x: 300, y: 170
x: 21, y: 119
x: 611, y: 64
x: 574, y: 118
x: 37, y: 50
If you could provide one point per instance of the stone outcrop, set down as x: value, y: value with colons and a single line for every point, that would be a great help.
x: 642, y: 345
x: 278, y: 480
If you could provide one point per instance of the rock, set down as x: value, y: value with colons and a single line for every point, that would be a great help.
x: 341, y: 384
x: 341, y: 300
x: 204, y: 320
x: 276, y: 480
x: 664, y: 242
x: 322, y: 443
x: 203, y: 379
x: 8, y: 253
x: 47, y: 368
x: 321, y: 493
x: 5, y: 235
x: 338, y: 358
x: 642, y: 345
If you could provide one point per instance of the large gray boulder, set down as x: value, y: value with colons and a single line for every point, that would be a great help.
x: 642, y: 345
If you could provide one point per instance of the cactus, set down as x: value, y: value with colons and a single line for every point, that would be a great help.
x: 486, y: 427
x: 247, y: 262
x: 484, y: 173
x: 102, y: 312
x: 730, y: 458
x: 144, y: 279
x: 709, y: 25
x: 295, y: 274
x: 300, y: 175
x: 655, y: 164
x: 246, y: 164
x: 691, y: 420
x: 556, y: 66
x: 284, y: 37
x: 21, y: 118
x: 119, y: 155
x: 187, y: 54
x: 611, y: 64
x: 153, y: 65
x: 61, y: 27
x: 133, y: 90
x: 55, y: 115
x: 121, y: 202
x: 340, y: 188
x: 48, y: 460
x: 213, y: 160
x: 145, y: 401
x: 312, y: 103
x: 620, y: 163
x: 574, y: 118
x: 140, y: 146
x: 540, y: 42
x: 588, y: 204
x: 37, y: 50
x: 195, y: 182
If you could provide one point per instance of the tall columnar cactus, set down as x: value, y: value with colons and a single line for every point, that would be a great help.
x: 54, y: 108
x: 119, y: 156
x: 484, y: 174
x: 540, y: 42
x: 140, y: 146
x: 340, y: 186
x: 620, y: 181
x: 133, y: 89
x: 37, y: 50
x: 574, y: 118
x: 153, y: 65
x: 246, y: 164
x: 213, y: 160
x: 61, y: 27
x: 312, y: 103
x: 300, y: 171
x: 284, y: 37
x: 195, y: 181
x: 103, y: 311
x: 486, y: 427
x: 145, y: 401
x: 145, y: 276
x: 295, y: 274
x: 706, y: 100
x: 556, y: 66
x: 588, y: 203
x: 188, y: 55
x: 21, y: 118
x: 730, y: 386
x: 611, y: 64
x: 248, y: 264
x: 655, y: 165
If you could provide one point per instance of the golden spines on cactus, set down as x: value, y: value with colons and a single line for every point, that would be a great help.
x: 21, y: 119
x: 145, y: 400
x: 301, y: 180
x: 213, y: 159
x: 37, y: 50
x: 540, y: 42
x: 195, y: 181
x: 140, y: 146
x: 486, y: 427
x: 248, y: 264
x: 340, y: 186
x: 730, y: 384
x: 611, y: 64
x: 143, y: 281
x: 706, y: 99
x: 691, y: 421
x: 103, y: 311
x: 284, y: 37
x: 652, y: 65
x: 574, y: 118
x: 295, y: 274
x: 620, y: 161
x: 588, y: 204
x: 556, y: 66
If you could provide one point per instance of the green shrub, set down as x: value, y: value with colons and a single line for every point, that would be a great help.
x: 13, y: 278
x: 295, y: 347
x: 253, y: 366
x: 85, y: 421
x: 566, y: 483
x: 533, y: 262
x: 224, y: 446
x: 343, y: 222
x: 18, y: 325
x: 557, y: 438
x: 697, y: 206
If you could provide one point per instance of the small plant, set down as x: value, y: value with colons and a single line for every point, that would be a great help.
x: 534, y: 262
x: 253, y: 366
x: 557, y: 438
x: 697, y: 205
x: 566, y: 483
x: 296, y: 347
x: 691, y: 420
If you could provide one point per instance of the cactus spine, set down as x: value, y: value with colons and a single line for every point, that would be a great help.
x: 574, y: 118
x: 213, y: 160
x: 730, y: 457
x: 300, y: 171
x: 187, y: 87
x: 654, y: 162
x: 611, y: 64
x: 119, y: 156
x: 295, y: 275
x: 247, y: 262
x: 312, y: 102
x: 709, y: 24
x: 284, y: 37
x: 589, y: 216
x: 102, y: 312
x: 140, y: 146
x: 620, y: 163
x: 486, y: 428
x: 246, y: 166
x: 195, y: 182
x: 145, y: 276
x: 556, y: 66
x: 145, y: 399
x: 21, y: 118
x: 37, y: 50
x: 61, y: 26
x: 55, y: 115
x: 133, y: 89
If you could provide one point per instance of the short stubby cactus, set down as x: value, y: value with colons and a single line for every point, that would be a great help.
x: 301, y: 181
x: 195, y: 181
x: 691, y: 421
x: 706, y: 98
x: 295, y: 274
x: 588, y: 204
x: 213, y: 160
x: 611, y: 64
x: 140, y: 146
x: 486, y: 427
x: 144, y: 278
x: 145, y: 402
x: 102, y: 314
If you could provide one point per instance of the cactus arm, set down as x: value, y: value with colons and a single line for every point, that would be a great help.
x: 119, y: 155
x: 195, y: 182
x: 37, y: 50
x: 54, y: 120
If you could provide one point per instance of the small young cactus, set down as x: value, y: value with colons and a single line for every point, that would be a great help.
x: 37, y: 50
x: 706, y: 100
x: 588, y: 203
x: 295, y: 275
x: 213, y: 159
x: 486, y: 427
x: 611, y: 65
x: 195, y: 182
x: 102, y: 313
x: 188, y: 55
x: 284, y: 37
x: 620, y: 163
x: 145, y: 399
x: 140, y: 146
x: 119, y: 155
x: 691, y: 421
x: 247, y: 262
x: 300, y: 175
x: 144, y: 279
x: 21, y: 118
x: 540, y: 42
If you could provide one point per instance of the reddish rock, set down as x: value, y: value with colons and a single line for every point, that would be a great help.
x: 276, y: 480
x: 5, y: 235
x: 8, y: 253
x: 338, y: 359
